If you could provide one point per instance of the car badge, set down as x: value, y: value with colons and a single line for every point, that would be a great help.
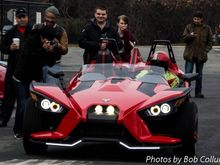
x: 106, y: 100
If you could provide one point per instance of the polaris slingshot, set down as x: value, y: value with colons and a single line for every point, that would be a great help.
x: 128, y: 104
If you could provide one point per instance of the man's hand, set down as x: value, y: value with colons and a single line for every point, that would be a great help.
x: 47, y: 46
x: 192, y: 34
x: 104, y: 45
x: 13, y: 47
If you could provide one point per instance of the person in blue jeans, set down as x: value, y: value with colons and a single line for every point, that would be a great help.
x: 58, y: 46
x: 29, y: 68
x: 21, y: 32
x: 22, y: 93
x: 198, y: 42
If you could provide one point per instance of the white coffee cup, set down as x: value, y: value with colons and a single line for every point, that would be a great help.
x: 16, y: 41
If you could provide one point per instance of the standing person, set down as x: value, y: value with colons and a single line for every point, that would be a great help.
x: 198, y: 39
x: 126, y: 37
x: 29, y: 68
x: 95, y: 29
x: 59, y: 45
x: 19, y: 34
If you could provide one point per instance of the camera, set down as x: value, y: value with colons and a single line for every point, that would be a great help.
x: 54, y: 43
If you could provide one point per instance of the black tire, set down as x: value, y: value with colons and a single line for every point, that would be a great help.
x: 187, y: 129
x: 32, y: 123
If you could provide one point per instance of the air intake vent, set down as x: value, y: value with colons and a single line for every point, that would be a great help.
x: 117, y: 80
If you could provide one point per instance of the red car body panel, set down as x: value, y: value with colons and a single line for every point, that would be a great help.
x: 134, y: 91
x: 2, y: 80
x: 116, y: 94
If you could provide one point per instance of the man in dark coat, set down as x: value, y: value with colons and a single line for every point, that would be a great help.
x: 198, y: 39
x: 20, y: 31
x: 30, y: 65
x: 60, y: 46
x: 95, y: 29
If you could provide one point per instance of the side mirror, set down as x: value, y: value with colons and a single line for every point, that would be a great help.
x: 189, y: 76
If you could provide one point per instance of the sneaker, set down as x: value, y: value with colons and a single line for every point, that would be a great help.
x: 18, y: 136
x: 199, y: 95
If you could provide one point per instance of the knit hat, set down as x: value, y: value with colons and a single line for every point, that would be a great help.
x: 53, y: 9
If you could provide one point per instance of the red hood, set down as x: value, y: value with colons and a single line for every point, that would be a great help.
x: 123, y: 94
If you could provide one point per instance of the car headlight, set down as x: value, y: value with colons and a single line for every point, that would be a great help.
x: 105, y: 113
x: 55, y: 107
x: 158, y: 110
x: 45, y: 104
x: 50, y: 106
x: 155, y: 110
x: 98, y: 109
x: 110, y: 110
x: 165, y: 108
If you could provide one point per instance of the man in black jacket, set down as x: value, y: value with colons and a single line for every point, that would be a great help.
x: 95, y: 29
x: 60, y: 46
x: 20, y: 31
x: 37, y: 53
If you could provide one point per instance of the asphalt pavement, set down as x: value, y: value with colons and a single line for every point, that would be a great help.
x: 207, y: 148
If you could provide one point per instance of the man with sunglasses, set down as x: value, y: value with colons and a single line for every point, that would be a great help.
x: 59, y: 46
x: 18, y: 33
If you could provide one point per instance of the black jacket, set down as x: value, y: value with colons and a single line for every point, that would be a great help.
x: 60, y: 34
x: 90, y: 38
x: 32, y: 59
x: 14, y: 55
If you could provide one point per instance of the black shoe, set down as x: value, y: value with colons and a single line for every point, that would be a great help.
x: 3, y: 123
x: 18, y: 136
x: 199, y: 95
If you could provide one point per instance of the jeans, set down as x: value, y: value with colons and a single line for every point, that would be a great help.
x: 199, y: 69
x: 8, y: 101
x: 47, y: 78
x: 22, y: 92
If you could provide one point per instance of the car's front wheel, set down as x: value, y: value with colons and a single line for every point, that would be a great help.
x: 32, y: 123
x: 187, y: 129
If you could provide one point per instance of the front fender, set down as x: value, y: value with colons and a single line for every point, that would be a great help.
x: 52, y: 92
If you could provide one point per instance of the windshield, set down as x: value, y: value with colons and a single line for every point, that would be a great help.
x: 139, y: 72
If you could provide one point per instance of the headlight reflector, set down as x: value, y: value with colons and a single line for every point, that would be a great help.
x: 50, y: 106
x: 54, y: 107
x: 155, y: 110
x: 45, y: 104
x: 105, y: 113
x: 98, y: 109
x: 110, y: 110
x: 165, y: 108
x: 159, y: 110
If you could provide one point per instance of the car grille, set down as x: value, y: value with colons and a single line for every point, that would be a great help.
x: 51, y: 120
x: 164, y: 125
x: 112, y: 131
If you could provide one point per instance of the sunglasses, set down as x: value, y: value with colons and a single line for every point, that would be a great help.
x: 21, y: 16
